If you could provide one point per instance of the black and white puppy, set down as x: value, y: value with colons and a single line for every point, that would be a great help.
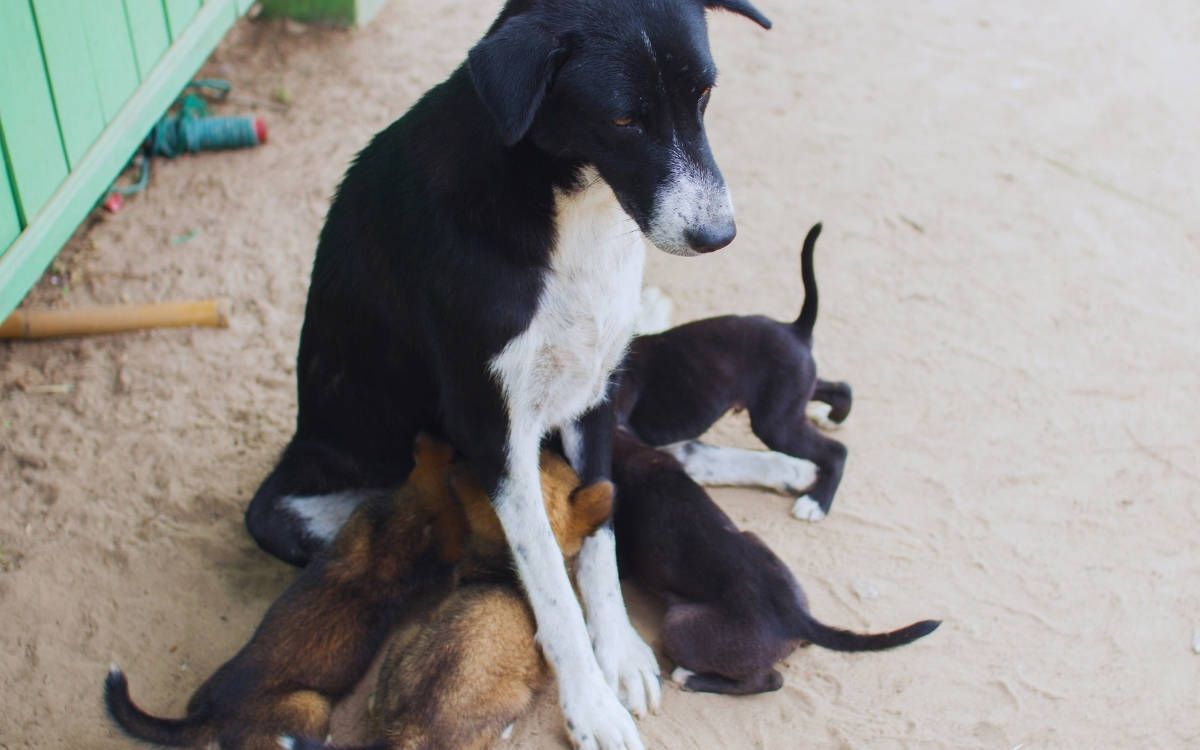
x: 478, y: 277
x: 677, y: 383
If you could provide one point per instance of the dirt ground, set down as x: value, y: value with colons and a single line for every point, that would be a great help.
x: 1009, y: 278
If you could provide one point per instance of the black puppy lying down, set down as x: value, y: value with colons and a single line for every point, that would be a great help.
x: 677, y: 383
x: 734, y: 609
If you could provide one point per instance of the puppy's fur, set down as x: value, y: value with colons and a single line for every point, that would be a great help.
x: 318, y: 638
x: 677, y: 383
x: 734, y: 609
x: 474, y: 668
x: 478, y: 277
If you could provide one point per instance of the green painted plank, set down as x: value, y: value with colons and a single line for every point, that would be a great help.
x: 111, y: 52
x: 338, y: 12
x: 10, y: 226
x: 25, y: 260
x: 27, y: 121
x: 234, y: 13
x: 179, y: 12
x: 76, y: 102
x: 148, y: 29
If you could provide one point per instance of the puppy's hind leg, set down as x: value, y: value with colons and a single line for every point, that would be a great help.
x: 794, y: 436
x: 304, y: 713
x: 830, y: 404
x: 766, y: 682
x: 718, y: 654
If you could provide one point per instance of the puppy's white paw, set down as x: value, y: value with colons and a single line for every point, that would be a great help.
x: 818, y: 413
x: 595, y: 719
x: 807, y: 509
x: 655, y: 313
x: 680, y: 676
x: 629, y: 667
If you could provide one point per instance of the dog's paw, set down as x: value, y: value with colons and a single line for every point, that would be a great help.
x: 807, y: 509
x: 655, y: 313
x: 595, y: 718
x: 680, y: 676
x: 629, y: 667
x: 818, y: 413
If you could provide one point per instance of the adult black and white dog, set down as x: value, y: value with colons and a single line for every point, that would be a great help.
x: 478, y: 277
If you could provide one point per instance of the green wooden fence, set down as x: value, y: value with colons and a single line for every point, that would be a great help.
x: 81, y: 83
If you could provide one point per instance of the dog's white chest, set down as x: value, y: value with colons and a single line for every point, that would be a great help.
x: 559, y: 366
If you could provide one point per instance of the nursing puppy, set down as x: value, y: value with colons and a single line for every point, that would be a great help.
x: 677, y: 383
x: 478, y: 277
x: 317, y: 640
x: 475, y: 667
x: 733, y: 607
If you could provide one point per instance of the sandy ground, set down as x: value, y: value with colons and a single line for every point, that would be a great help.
x: 1009, y: 278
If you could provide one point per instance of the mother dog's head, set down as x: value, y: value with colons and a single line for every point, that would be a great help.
x: 621, y: 85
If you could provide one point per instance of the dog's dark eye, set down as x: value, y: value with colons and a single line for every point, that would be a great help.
x: 623, y: 122
x: 704, y: 95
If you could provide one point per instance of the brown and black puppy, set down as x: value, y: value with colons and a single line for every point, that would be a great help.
x: 317, y: 640
x: 733, y: 607
x: 474, y: 668
x: 676, y: 384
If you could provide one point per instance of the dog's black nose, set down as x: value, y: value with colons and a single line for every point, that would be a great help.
x: 710, y: 238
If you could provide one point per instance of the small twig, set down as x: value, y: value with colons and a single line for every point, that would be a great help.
x: 912, y: 224
x: 1103, y: 185
x: 49, y: 388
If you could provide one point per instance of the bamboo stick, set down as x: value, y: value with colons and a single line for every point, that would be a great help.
x: 114, y: 318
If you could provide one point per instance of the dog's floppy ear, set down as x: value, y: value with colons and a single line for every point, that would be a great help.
x: 742, y: 8
x: 512, y: 69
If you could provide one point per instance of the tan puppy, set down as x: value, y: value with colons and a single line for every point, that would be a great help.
x: 317, y: 640
x: 474, y: 668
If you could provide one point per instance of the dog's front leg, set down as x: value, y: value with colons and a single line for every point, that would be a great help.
x: 627, y: 662
x: 594, y: 716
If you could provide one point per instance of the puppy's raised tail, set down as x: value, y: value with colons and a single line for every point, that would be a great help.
x: 803, y: 326
x: 186, y: 732
x: 837, y: 639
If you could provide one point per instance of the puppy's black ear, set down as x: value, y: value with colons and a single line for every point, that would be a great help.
x: 512, y: 69
x: 742, y: 8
